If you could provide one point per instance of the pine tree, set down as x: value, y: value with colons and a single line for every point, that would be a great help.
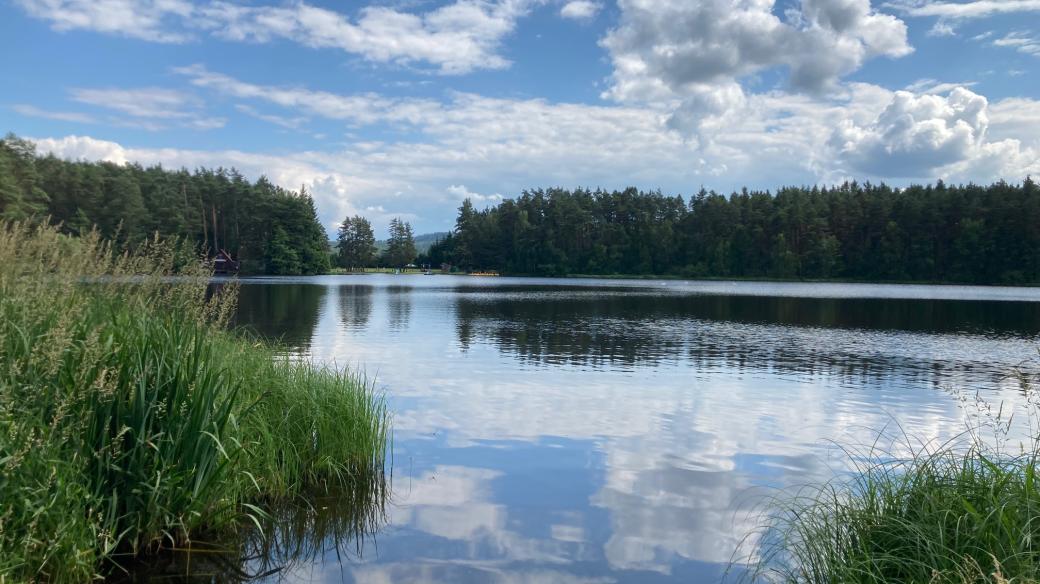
x: 311, y: 241
x: 356, y: 243
x: 400, y: 250
x: 20, y: 193
x: 465, y: 233
x: 282, y: 258
x: 215, y: 208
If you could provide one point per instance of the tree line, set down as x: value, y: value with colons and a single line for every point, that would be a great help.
x: 356, y: 245
x: 934, y: 233
x: 269, y: 229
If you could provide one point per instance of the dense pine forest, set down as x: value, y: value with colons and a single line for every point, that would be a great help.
x: 269, y: 229
x: 935, y: 233
x: 939, y: 233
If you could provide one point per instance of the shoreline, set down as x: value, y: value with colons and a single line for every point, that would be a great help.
x: 671, y: 277
x: 136, y: 420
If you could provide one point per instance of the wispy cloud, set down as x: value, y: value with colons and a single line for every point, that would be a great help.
x: 139, y: 116
x: 970, y: 9
x: 933, y: 87
x: 205, y: 123
x: 454, y: 38
x: 150, y: 108
x: 363, y: 108
x: 288, y: 123
x: 1021, y: 41
x: 147, y: 102
x: 152, y: 20
x: 35, y: 112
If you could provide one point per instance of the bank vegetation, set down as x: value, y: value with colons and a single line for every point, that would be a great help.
x: 132, y: 419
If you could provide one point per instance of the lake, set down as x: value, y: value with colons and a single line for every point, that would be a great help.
x: 626, y: 431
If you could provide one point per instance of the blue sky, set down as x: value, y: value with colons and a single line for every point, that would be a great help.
x: 406, y: 108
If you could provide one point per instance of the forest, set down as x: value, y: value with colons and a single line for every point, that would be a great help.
x: 865, y: 232
x: 869, y: 232
x: 270, y: 230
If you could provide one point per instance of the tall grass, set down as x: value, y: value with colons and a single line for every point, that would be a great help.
x: 131, y: 419
x: 965, y: 511
x: 293, y: 535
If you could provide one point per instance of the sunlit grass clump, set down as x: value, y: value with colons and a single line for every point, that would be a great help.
x: 967, y: 511
x: 131, y: 419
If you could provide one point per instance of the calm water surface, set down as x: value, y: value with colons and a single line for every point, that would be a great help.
x: 625, y: 431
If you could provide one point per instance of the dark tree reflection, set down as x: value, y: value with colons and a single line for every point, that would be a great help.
x: 355, y: 306
x: 287, y: 313
x: 399, y: 306
x: 803, y: 336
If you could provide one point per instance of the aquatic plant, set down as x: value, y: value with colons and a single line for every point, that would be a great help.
x: 292, y: 534
x: 132, y: 419
x: 964, y: 511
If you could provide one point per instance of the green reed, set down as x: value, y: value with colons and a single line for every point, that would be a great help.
x: 131, y: 419
x: 292, y: 534
x: 966, y: 511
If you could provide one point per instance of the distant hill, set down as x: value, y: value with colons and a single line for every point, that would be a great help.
x: 422, y: 242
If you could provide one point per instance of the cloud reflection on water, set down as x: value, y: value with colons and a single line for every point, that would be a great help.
x: 574, y: 435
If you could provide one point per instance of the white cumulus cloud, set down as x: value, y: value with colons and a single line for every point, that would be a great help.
x: 580, y: 9
x: 924, y: 136
x: 665, y: 46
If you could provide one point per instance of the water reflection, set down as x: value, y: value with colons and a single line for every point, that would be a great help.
x: 336, y: 524
x: 934, y: 341
x: 287, y: 539
x: 288, y: 314
x: 625, y: 432
x: 399, y: 304
x: 355, y: 306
